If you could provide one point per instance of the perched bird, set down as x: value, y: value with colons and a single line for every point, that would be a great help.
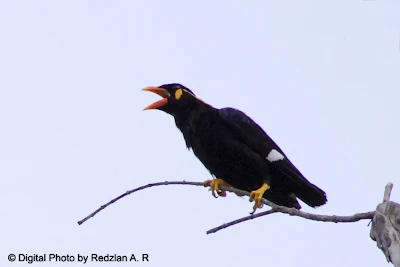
x: 236, y: 150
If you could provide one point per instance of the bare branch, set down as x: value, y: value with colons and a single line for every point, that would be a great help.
x: 135, y: 190
x: 293, y: 212
x: 230, y: 189
x: 274, y: 208
x: 309, y: 216
x: 326, y: 218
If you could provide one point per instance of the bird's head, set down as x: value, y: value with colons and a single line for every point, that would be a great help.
x: 176, y: 98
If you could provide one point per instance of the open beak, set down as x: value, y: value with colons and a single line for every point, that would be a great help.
x: 159, y: 91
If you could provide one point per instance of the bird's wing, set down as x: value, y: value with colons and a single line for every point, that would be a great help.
x: 251, y: 134
x: 247, y: 131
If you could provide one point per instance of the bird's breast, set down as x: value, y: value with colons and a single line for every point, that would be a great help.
x: 206, y: 137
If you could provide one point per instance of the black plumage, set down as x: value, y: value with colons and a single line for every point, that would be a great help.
x: 236, y: 149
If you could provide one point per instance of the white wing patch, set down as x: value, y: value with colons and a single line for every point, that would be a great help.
x: 274, y: 155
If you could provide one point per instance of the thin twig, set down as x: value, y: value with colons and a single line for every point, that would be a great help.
x: 252, y: 216
x: 274, y: 208
x: 135, y: 190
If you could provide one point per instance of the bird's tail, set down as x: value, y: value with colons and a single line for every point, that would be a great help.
x: 309, y: 193
x: 301, y: 187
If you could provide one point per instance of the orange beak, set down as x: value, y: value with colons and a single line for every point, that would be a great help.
x: 159, y: 91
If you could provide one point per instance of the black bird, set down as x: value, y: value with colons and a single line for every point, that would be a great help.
x: 236, y: 150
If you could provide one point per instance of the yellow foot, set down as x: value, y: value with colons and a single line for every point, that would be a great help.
x: 257, y: 196
x: 214, y: 185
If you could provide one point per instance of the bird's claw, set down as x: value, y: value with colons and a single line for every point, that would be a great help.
x: 257, y: 196
x: 214, y: 187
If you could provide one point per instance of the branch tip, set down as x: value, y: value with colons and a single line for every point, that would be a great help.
x: 388, y: 191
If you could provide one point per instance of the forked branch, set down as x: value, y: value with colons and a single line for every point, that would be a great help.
x: 274, y: 208
x: 385, y: 220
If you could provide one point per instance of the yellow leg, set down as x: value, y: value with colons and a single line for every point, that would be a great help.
x: 214, y: 185
x: 257, y: 195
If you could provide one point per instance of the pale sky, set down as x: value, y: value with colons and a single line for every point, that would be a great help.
x: 321, y: 78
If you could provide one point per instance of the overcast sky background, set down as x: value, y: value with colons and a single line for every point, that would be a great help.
x: 321, y: 78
